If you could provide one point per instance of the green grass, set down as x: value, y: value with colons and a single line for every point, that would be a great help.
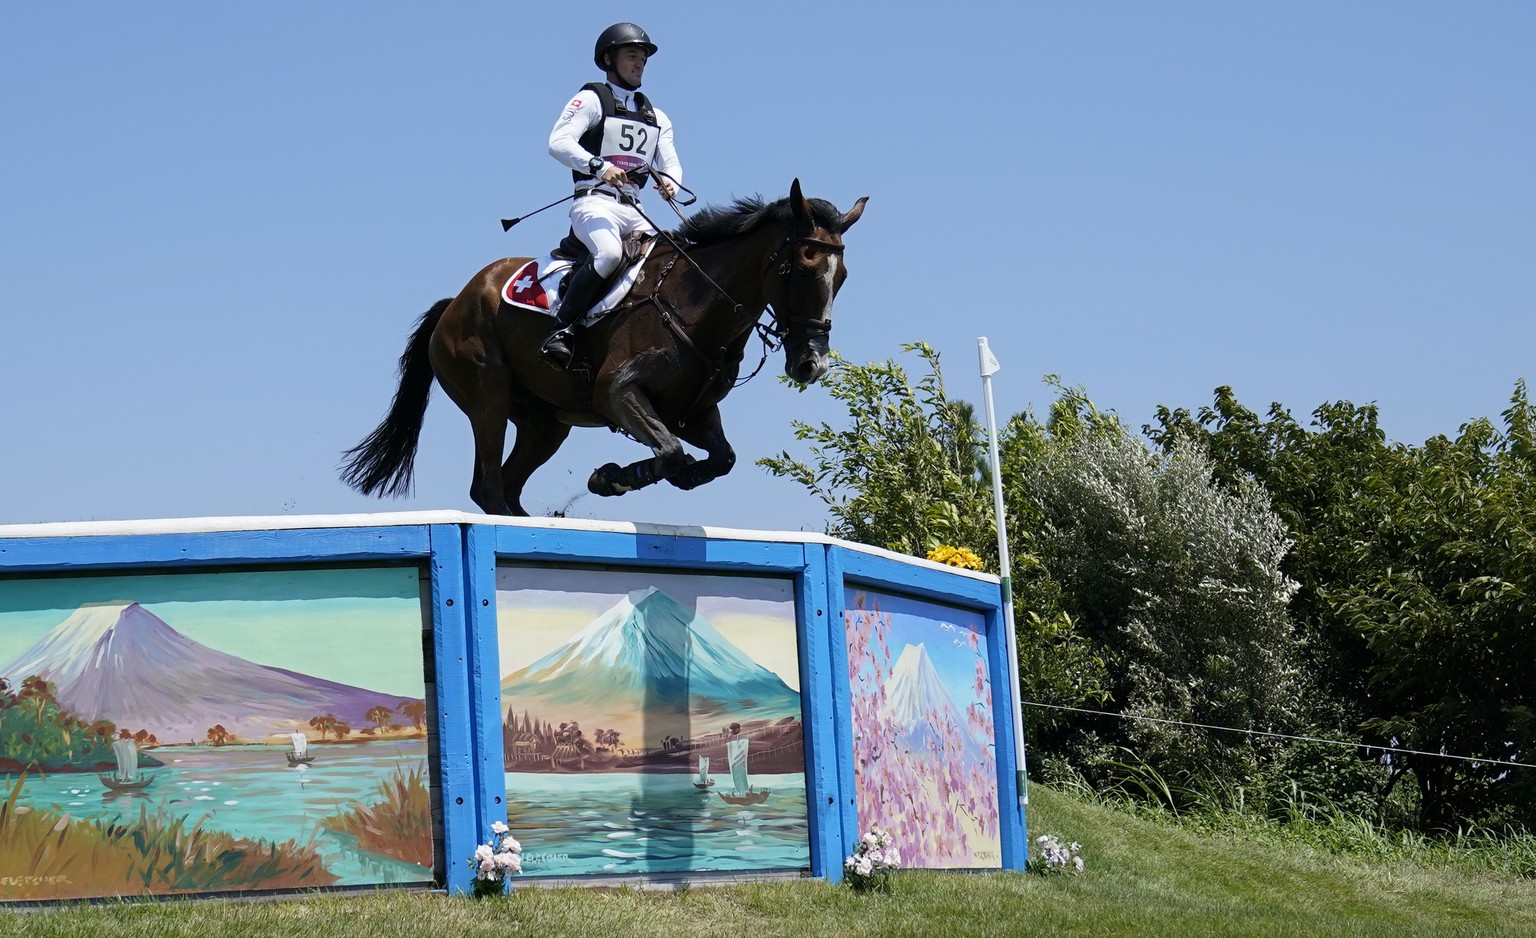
x: 1144, y: 876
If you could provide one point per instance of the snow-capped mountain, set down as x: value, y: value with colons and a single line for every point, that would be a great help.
x: 918, y: 704
x: 915, y: 688
x: 650, y: 651
x: 118, y: 661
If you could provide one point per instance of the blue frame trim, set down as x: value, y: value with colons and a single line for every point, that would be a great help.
x: 803, y: 562
x: 485, y: 677
x: 823, y: 794
x: 319, y: 545
x: 455, y: 733
x: 846, y: 568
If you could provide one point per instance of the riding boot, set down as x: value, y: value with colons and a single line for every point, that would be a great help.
x: 582, y: 292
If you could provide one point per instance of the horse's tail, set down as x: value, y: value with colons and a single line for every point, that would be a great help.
x: 383, y: 462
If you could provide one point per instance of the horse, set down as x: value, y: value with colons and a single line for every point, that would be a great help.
x: 655, y: 368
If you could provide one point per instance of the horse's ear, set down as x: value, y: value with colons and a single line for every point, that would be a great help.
x: 852, y: 215
x: 801, y: 209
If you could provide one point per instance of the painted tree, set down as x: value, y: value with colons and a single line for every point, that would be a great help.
x: 325, y: 724
x: 380, y: 716
x: 414, y: 710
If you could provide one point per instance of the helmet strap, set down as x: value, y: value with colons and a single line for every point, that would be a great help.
x: 614, y: 79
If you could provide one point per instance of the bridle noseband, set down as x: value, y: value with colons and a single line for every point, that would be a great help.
x: 780, y: 329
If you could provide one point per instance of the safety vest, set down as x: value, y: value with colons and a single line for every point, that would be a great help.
x: 625, y: 137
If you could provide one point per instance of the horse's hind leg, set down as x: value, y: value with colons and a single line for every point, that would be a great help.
x: 490, y: 440
x: 539, y: 434
x: 486, y: 406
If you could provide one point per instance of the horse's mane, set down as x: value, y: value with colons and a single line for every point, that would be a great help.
x: 720, y: 223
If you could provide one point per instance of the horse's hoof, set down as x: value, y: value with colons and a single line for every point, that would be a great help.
x: 601, y: 480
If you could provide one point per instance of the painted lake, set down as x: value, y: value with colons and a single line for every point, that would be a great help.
x: 629, y: 823
x: 250, y: 791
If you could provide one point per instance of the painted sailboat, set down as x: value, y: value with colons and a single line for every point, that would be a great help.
x: 300, y: 752
x: 743, y: 793
x: 127, y: 777
x: 702, y: 781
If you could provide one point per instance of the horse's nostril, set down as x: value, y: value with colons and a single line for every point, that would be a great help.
x: 807, y: 371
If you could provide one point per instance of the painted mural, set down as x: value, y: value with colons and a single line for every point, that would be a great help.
x: 651, y: 721
x: 212, y: 731
x: 925, y: 763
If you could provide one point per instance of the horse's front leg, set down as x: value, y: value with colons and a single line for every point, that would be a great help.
x: 631, y: 410
x: 704, y: 431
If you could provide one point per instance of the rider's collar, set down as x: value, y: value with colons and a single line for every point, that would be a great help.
x: 622, y: 96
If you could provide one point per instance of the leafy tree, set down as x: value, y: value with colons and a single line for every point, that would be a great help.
x: 1415, y: 571
x: 1177, y: 583
x: 1142, y: 583
x: 908, y: 472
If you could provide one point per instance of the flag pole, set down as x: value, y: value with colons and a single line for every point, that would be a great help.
x: 989, y: 366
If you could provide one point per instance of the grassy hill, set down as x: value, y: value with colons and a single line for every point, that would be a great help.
x: 1142, y: 877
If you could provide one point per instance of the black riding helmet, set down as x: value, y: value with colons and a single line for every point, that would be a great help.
x: 621, y: 34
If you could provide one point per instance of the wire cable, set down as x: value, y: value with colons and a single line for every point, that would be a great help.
x: 1390, y: 750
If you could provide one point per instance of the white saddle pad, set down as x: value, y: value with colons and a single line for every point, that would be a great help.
x: 534, y: 285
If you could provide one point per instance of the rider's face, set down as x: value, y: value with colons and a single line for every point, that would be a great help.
x: 629, y: 63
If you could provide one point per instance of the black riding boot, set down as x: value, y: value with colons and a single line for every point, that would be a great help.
x: 581, y: 294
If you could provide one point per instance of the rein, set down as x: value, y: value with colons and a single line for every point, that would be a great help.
x: 772, y: 336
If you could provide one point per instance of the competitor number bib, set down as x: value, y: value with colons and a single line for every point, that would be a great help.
x: 628, y: 144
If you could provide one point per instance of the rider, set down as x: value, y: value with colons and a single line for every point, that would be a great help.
x: 610, y: 137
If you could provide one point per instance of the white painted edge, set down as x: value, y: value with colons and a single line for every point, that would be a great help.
x: 391, y: 518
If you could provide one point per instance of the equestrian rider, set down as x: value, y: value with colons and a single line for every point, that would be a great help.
x: 610, y: 137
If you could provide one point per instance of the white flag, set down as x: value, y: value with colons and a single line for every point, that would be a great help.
x: 989, y: 365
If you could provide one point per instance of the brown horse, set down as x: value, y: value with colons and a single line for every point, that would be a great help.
x: 656, y: 368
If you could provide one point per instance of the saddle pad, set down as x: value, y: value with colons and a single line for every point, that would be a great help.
x: 535, y: 284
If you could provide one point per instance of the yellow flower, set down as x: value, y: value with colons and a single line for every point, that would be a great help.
x: 956, y: 557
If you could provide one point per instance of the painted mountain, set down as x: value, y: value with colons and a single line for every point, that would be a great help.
x: 917, y: 703
x: 649, y: 665
x: 120, y: 662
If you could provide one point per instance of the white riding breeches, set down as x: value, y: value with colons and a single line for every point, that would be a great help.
x: 602, y: 224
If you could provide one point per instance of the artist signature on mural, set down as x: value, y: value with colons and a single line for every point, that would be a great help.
x: 33, y: 880
x: 538, y: 859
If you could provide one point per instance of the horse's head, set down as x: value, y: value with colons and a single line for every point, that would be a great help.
x: 810, y: 272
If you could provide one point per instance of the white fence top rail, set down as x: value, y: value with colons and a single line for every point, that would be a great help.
x: 381, y: 519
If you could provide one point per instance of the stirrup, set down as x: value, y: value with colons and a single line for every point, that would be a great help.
x: 556, y: 347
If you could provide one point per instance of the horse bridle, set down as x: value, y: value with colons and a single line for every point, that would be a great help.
x: 787, y: 270
x: 772, y: 335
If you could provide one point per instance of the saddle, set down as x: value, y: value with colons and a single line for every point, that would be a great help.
x: 539, y: 284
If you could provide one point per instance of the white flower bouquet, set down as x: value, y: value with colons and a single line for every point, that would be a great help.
x: 874, y: 859
x: 496, y: 859
x: 1052, y: 856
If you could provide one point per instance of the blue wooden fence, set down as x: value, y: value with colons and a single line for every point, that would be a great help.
x: 458, y: 555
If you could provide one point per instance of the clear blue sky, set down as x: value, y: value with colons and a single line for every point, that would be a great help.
x: 219, y: 221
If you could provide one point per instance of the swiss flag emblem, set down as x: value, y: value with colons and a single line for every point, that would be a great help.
x: 524, y: 288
